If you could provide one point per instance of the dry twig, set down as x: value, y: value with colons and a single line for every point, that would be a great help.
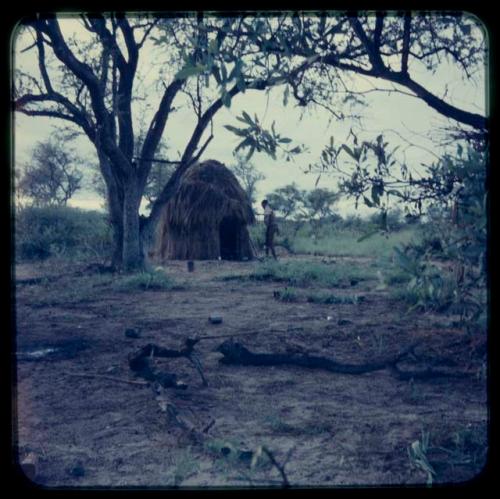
x: 110, y: 378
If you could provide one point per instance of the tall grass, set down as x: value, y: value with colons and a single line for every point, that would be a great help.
x: 152, y: 281
x: 337, y: 239
x: 303, y: 273
x: 345, y: 243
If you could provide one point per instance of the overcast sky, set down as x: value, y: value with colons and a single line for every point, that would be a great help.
x: 392, y: 114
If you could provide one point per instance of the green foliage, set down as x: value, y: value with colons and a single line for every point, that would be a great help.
x: 287, y: 295
x: 152, y: 281
x: 248, y: 176
x: 51, y: 178
x: 287, y: 200
x: 184, y: 464
x: 450, y: 448
x: 160, y: 172
x: 61, y: 232
x: 457, y: 237
x: 429, y: 293
x: 336, y: 241
x: 314, y: 206
x: 468, y: 445
x: 256, y: 138
x: 303, y: 273
x: 326, y: 298
x: 417, y: 452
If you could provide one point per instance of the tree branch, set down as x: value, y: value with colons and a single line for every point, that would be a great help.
x: 98, y: 25
x: 371, y: 50
x: 406, y: 43
x: 84, y: 72
x: 379, y: 23
x: 157, y: 127
x: 146, y: 32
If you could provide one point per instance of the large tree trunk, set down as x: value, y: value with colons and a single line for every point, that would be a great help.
x: 132, y: 254
x: 115, y: 207
x: 114, y: 201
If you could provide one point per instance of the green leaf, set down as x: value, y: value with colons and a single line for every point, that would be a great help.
x: 238, y: 131
x: 349, y: 151
x: 223, y: 72
x: 393, y: 192
x: 188, y: 71
x: 368, y: 202
x: 375, y: 196
x: 286, y: 94
x: 250, y: 153
x: 216, y: 74
x: 244, y: 143
x: 226, y: 99
x: 247, y: 118
x: 241, y: 84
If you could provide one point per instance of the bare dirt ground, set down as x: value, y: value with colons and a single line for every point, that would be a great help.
x: 335, y: 429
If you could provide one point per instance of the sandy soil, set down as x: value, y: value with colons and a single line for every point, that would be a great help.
x: 335, y: 429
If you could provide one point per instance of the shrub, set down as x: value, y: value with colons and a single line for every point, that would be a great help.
x: 153, y: 281
x: 62, y: 232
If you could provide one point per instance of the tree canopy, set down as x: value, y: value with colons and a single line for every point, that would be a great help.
x: 88, y: 75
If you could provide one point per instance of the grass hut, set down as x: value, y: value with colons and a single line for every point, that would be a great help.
x: 207, y: 218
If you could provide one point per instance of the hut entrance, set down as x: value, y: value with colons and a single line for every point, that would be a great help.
x: 229, y: 231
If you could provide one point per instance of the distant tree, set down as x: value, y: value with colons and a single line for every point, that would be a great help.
x: 247, y: 174
x: 320, y: 202
x: 318, y: 205
x: 159, y: 175
x: 52, y: 176
x: 288, y: 201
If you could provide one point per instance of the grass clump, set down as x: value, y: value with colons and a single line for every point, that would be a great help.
x: 326, y: 298
x: 184, y: 464
x: 303, y: 273
x: 348, y: 243
x: 147, y: 281
x: 287, y: 295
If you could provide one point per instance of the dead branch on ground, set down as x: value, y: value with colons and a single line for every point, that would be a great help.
x: 235, y: 353
x: 141, y: 362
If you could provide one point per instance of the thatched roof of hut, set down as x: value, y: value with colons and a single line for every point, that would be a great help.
x: 209, y: 191
x: 208, y: 197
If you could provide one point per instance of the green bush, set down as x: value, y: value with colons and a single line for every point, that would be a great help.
x: 302, y: 273
x: 61, y: 232
x: 154, y: 281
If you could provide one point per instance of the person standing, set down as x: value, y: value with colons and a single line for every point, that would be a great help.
x: 271, y: 227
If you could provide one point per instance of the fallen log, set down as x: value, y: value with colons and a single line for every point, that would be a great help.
x: 141, y: 362
x: 237, y: 354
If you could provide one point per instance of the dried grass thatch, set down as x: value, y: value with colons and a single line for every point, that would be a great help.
x: 207, y: 218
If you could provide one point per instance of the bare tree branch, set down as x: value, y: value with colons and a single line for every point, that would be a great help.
x: 406, y: 43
